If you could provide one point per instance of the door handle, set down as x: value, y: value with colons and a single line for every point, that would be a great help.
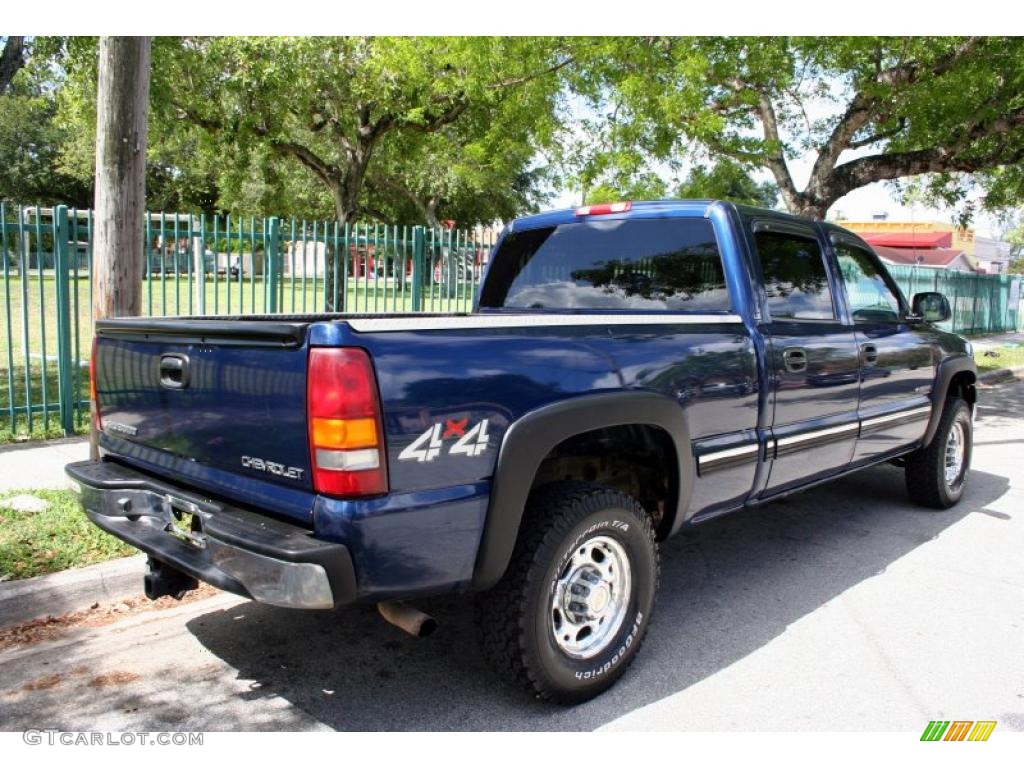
x: 869, y: 353
x: 795, y: 359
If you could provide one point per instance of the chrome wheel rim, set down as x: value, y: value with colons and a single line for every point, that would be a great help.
x: 590, y: 597
x: 956, y: 449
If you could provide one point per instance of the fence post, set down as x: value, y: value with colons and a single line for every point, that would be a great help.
x: 62, y: 266
x: 419, y: 242
x: 199, y: 261
x: 272, y: 247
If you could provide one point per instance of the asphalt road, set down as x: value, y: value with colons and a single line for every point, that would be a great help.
x: 842, y: 608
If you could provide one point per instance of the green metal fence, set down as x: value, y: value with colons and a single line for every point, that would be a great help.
x: 234, y: 266
x: 203, y: 265
x: 980, y: 303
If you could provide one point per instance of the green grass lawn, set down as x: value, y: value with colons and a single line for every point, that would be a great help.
x: 17, y: 426
x: 60, y: 537
x: 1006, y: 356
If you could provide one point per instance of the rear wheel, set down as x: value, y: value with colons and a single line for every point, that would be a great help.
x: 937, y: 473
x: 572, y: 609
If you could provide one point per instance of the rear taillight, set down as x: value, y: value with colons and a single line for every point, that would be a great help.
x: 94, y: 398
x: 346, y: 435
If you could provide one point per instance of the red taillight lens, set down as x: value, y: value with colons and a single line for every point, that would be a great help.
x: 94, y: 399
x: 603, y: 208
x: 346, y: 436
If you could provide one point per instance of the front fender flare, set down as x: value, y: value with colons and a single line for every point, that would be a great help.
x: 944, y: 374
x: 533, y: 436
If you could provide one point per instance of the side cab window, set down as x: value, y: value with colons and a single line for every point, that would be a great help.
x: 868, y: 293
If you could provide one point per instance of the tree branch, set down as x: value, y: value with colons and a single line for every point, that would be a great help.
x: 863, y: 108
x: 962, y: 156
x: 858, y: 114
x: 880, y: 136
x: 776, y: 159
x: 207, y: 123
x: 327, y: 173
x: 371, y: 132
x: 522, y: 80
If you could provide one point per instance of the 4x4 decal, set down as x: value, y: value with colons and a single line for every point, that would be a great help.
x: 429, y: 445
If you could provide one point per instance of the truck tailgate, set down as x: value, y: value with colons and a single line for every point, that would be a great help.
x: 225, y: 394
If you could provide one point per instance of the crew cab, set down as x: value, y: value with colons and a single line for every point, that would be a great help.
x: 629, y: 370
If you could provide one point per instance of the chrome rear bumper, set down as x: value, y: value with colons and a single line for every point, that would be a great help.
x: 234, y: 549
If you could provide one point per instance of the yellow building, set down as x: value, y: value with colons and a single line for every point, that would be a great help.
x: 959, y: 239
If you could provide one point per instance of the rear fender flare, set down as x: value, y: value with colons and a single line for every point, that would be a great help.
x: 529, y: 439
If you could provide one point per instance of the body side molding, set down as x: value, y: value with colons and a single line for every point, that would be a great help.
x: 533, y: 436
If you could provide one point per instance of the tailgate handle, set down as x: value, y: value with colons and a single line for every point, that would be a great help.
x: 174, y: 371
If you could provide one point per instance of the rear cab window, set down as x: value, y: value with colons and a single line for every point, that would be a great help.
x: 795, y: 277
x: 667, y: 264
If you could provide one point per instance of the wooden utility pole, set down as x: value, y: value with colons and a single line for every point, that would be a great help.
x: 122, y: 106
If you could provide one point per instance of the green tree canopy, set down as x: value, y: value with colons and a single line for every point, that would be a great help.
x: 419, y: 129
x: 867, y: 108
x: 432, y: 117
x: 31, y: 138
x: 473, y: 129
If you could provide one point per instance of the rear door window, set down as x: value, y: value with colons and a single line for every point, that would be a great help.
x: 795, y: 280
x: 647, y: 264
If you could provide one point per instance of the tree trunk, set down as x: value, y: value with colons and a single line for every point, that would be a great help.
x: 430, y: 213
x: 344, y: 212
x: 12, y: 59
x: 811, y: 210
x: 122, y: 106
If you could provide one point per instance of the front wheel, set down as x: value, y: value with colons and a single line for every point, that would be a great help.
x: 937, y: 473
x: 572, y: 609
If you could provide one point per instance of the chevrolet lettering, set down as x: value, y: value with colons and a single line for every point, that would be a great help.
x: 272, y: 467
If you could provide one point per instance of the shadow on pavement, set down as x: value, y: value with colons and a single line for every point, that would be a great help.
x: 999, y: 406
x: 728, y: 587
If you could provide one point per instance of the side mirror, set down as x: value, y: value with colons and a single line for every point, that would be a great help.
x: 931, y: 307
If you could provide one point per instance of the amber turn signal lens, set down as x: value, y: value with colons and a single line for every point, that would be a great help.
x: 344, y: 433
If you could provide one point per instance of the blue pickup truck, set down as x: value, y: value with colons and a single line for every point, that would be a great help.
x: 630, y: 370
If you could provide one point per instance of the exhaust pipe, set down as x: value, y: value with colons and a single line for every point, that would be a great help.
x: 407, y: 618
x: 162, y: 580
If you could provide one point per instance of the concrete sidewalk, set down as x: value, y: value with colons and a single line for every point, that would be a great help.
x: 40, y: 465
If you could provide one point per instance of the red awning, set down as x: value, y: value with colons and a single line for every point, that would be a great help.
x: 910, y: 239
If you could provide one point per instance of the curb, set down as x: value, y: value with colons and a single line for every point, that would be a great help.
x: 72, y: 590
x: 1002, y: 375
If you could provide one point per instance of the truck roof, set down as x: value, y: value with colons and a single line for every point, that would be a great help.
x: 644, y: 209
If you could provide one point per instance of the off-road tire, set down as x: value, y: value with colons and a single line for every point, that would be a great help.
x: 513, y: 619
x: 925, y: 468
